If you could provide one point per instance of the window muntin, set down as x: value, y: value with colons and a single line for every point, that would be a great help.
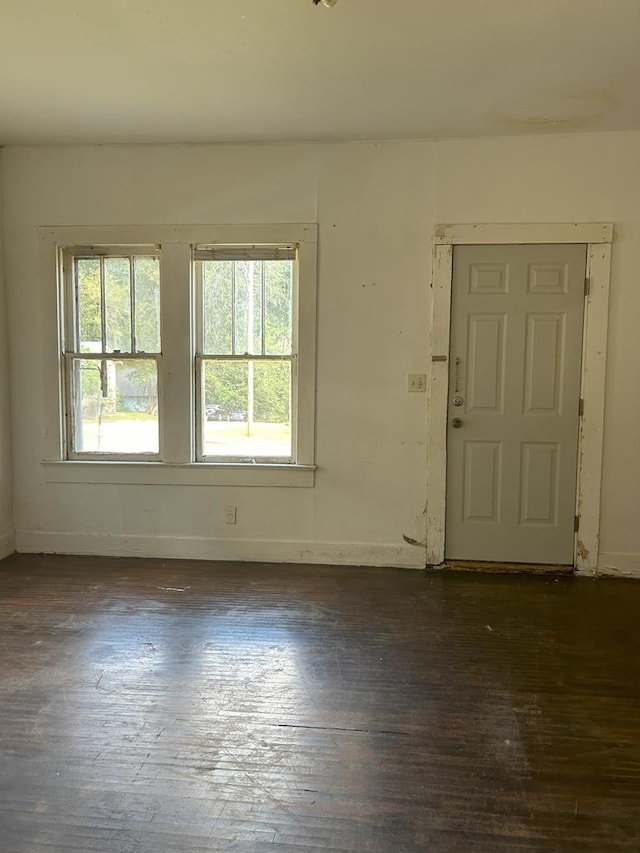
x: 112, y: 353
x: 246, y: 364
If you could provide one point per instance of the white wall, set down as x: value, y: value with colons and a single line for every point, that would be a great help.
x: 376, y: 205
x: 6, y: 509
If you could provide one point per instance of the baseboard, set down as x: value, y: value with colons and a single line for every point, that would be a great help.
x: 7, y: 543
x: 201, y: 548
x: 252, y: 550
x: 623, y: 565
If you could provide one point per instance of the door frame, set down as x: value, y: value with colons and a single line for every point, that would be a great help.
x: 598, y: 238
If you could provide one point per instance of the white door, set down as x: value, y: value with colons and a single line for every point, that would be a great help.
x: 514, y: 394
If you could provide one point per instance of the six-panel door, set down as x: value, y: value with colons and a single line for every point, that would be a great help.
x: 514, y: 389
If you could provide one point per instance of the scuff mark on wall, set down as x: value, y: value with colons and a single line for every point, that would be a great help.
x: 441, y: 232
x: 410, y: 541
x: 583, y: 552
x: 417, y: 543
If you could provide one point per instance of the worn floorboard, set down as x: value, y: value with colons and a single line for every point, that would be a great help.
x: 175, y: 707
x: 514, y: 568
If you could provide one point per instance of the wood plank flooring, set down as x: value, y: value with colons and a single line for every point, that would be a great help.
x: 175, y: 707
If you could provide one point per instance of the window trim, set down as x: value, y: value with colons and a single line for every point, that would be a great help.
x: 167, y: 474
x: 177, y: 442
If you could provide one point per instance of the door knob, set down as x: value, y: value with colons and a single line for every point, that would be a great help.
x: 456, y: 423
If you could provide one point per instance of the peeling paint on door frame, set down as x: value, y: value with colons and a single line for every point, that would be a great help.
x: 598, y: 238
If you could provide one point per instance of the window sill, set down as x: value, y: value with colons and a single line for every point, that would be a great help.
x: 165, y: 474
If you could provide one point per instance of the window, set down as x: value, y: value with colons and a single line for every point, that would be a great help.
x: 246, y: 370
x: 111, y: 367
x: 189, y: 349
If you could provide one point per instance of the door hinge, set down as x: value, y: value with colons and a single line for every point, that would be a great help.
x: 587, y: 286
x: 576, y: 524
x: 581, y: 407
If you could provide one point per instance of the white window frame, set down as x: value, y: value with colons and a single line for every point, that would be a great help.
x: 177, y: 365
x: 204, y: 253
x: 71, y: 352
x: 598, y: 238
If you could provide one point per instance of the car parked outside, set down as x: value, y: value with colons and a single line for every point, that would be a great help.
x: 214, y: 412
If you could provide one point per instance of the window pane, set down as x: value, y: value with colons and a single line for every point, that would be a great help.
x: 258, y: 275
x: 235, y: 319
x: 115, y: 405
x: 244, y: 279
x: 117, y: 290
x: 247, y: 409
x: 89, y: 319
x: 147, y: 281
x: 272, y: 392
x: 216, y: 307
x: 278, y: 307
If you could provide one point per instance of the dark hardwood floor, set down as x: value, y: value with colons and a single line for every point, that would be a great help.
x: 174, y: 707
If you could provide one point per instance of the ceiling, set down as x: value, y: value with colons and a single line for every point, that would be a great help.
x: 257, y: 70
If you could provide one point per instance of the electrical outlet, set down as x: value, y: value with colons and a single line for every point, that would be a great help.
x: 417, y: 383
x: 230, y: 514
